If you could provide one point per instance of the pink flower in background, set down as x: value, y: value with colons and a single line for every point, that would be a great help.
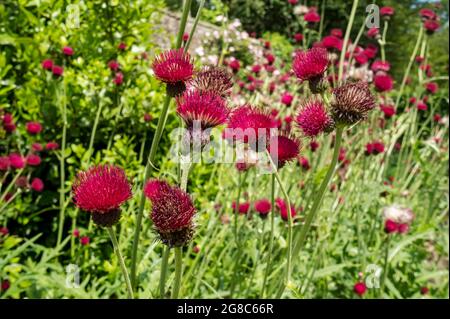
x: 33, y: 160
x: 4, y: 163
x: 68, y: 51
x: 185, y: 37
x: 16, y: 161
x: 432, y: 87
x: 235, y: 65
x: 37, y: 147
x: 286, y: 146
x: 118, y: 78
x: 242, y: 209
x: 387, y: 11
x: 312, y: 17
x: 298, y: 37
x: 33, y: 127
x: 85, y: 240
x: 336, y: 32
x: 122, y: 46
x: 379, y: 65
x: 50, y: 146
x: 388, y: 110
x: 427, y: 14
x: 383, y: 83
x: 313, y: 145
x: 422, y: 106
x: 431, y: 26
x: 47, y: 64
x: 256, y: 68
x: 57, y: 70
x: 76, y: 233
x: 113, y: 65
x: 360, y: 288
x: 287, y: 99
x: 332, y: 42
x: 304, y: 163
x: 373, y: 32
x: 283, y: 209
x: 263, y: 206
x: 37, y: 184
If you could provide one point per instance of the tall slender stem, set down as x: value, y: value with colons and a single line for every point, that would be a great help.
x: 162, y: 278
x: 290, y: 224
x: 153, y: 149
x: 383, y: 40
x: 272, y: 228
x: 62, y: 161
x: 346, y: 38
x: 320, y: 193
x: 178, y: 272
x: 11, y: 184
x: 408, y: 68
x: 386, y: 263
x: 197, y: 18
x: 112, y: 235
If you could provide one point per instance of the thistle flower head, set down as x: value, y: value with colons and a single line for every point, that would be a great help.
x: 250, y: 124
x: 172, y: 212
x: 313, y: 118
x: 311, y: 64
x: 214, y: 80
x: 351, y: 103
x: 101, y: 190
x: 283, y: 148
x: 206, y: 107
x: 173, y: 67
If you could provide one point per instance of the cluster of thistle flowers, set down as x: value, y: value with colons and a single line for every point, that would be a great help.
x: 103, y: 189
x: 11, y: 164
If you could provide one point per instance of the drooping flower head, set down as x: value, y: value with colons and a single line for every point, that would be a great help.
x: 37, y: 184
x: 360, y: 288
x: 249, y: 125
x: 174, y: 67
x: 313, y: 118
x: 397, y: 219
x: 283, y: 148
x: 213, y: 80
x: 101, y: 190
x: 172, y: 212
x: 47, y: 64
x: 310, y: 66
x: 387, y: 12
x: 351, y: 103
x: 312, y: 17
x: 68, y: 51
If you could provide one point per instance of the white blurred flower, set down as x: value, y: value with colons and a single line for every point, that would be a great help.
x: 216, y: 34
x: 200, y: 51
x: 300, y: 9
x: 212, y: 59
x: 398, y: 214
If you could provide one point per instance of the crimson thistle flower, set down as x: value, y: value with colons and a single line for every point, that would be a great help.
x: 250, y: 125
x: 175, y: 68
x: 172, y: 212
x: 101, y: 190
x: 313, y: 119
x: 284, y: 147
x: 351, y: 103
x: 311, y: 66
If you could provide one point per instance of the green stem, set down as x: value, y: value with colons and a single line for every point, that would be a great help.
x: 162, y: 278
x: 11, y: 184
x: 272, y: 228
x: 115, y: 244
x: 346, y: 38
x: 408, y: 68
x: 383, y: 40
x: 236, y: 208
x: 178, y: 272
x: 62, y: 204
x: 153, y: 149
x: 320, y: 193
x: 290, y: 225
x: 197, y: 18
x: 148, y: 170
x: 386, y: 263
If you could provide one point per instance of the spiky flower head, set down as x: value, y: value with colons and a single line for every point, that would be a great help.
x: 250, y: 125
x: 172, y: 212
x: 313, y: 118
x: 351, y: 103
x: 174, y: 67
x: 206, y: 107
x: 263, y: 207
x: 311, y: 66
x: 101, y: 190
x: 283, y: 148
x: 213, y: 80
